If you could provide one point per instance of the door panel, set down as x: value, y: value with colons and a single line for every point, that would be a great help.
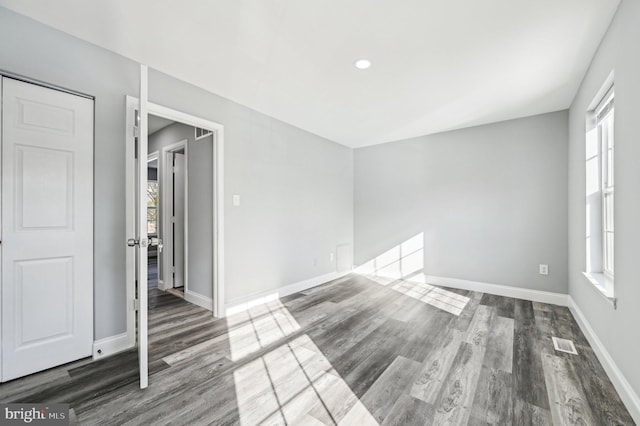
x: 49, y: 119
x: 44, y: 180
x: 37, y: 324
x: 47, y: 227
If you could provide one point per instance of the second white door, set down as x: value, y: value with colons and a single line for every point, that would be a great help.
x: 47, y: 228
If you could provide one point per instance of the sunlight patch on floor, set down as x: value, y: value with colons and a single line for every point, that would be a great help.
x: 294, y: 383
x: 402, y: 269
x: 258, y: 327
x: 437, y: 297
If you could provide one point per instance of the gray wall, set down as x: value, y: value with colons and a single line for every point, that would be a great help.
x: 617, y: 329
x: 200, y: 175
x: 296, y: 187
x: 296, y: 192
x: 33, y: 50
x: 490, y: 200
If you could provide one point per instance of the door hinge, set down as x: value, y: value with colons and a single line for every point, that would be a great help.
x: 136, y: 131
x: 136, y: 304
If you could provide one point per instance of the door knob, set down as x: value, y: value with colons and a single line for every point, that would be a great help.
x: 132, y: 242
x: 157, y: 242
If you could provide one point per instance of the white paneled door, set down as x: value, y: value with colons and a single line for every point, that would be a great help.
x: 47, y: 228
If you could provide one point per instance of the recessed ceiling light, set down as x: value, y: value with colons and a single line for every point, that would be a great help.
x: 363, y: 64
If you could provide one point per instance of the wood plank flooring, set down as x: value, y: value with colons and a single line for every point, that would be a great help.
x: 349, y: 352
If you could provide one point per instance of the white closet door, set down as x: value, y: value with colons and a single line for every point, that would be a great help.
x: 47, y: 228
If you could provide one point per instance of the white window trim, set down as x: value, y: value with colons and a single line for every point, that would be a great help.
x: 604, y: 285
x: 604, y: 111
x: 599, y: 275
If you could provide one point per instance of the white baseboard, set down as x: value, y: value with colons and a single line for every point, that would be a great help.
x: 198, y: 299
x: 111, y: 345
x: 501, y: 290
x: 626, y: 392
x: 241, y: 304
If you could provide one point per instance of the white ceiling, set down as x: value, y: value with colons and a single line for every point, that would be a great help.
x: 437, y: 65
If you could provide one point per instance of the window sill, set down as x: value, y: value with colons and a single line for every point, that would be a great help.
x: 604, y: 285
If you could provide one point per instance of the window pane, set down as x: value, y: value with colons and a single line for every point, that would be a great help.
x: 152, y: 220
x: 152, y: 194
x: 608, y: 258
x: 610, y: 139
x: 608, y: 212
x: 610, y: 168
x: 593, y: 176
x: 152, y: 207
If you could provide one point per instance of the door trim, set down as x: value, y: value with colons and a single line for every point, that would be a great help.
x: 218, y: 203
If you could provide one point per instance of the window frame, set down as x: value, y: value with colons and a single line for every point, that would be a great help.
x: 600, y: 190
x: 605, y: 122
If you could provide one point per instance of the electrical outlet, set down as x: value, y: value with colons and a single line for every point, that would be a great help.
x: 330, y: 257
x: 544, y: 269
x: 315, y: 262
x: 236, y: 200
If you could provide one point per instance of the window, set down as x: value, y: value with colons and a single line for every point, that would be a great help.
x: 152, y: 207
x: 605, y: 134
x: 600, y: 192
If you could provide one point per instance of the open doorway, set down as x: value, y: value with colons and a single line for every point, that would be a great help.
x: 179, y: 164
x: 204, y: 213
x: 175, y: 218
x: 153, y: 198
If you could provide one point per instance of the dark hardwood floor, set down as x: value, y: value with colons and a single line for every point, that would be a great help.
x: 349, y: 352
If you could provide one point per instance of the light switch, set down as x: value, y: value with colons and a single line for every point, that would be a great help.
x: 236, y: 200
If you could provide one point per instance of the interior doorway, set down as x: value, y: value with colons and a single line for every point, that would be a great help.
x: 205, y: 217
x: 183, y: 231
x: 174, y: 211
x: 153, y: 212
x: 167, y: 215
x: 180, y: 249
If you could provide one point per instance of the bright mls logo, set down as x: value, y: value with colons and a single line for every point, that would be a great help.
x: 34, y: 414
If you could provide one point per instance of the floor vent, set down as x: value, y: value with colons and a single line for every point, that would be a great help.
x: 564, y: 345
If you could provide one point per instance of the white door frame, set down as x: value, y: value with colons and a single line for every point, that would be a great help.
x: 166, y: 201
x: 218, y: 203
